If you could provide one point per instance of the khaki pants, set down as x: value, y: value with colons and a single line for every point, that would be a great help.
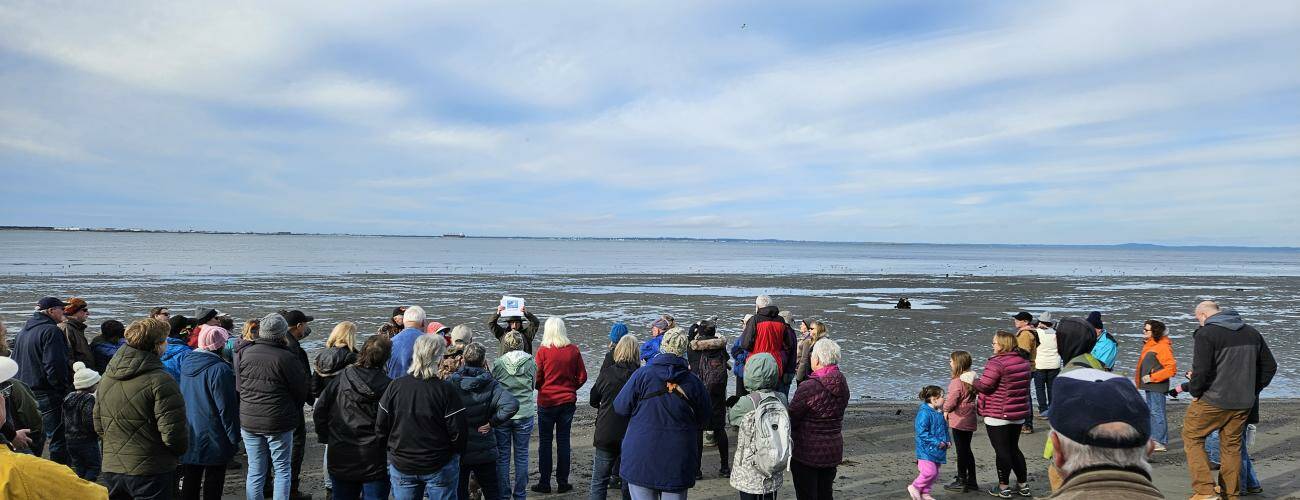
x: 1201, y: 420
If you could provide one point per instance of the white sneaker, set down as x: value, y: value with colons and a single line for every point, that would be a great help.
x: 1161, y: 447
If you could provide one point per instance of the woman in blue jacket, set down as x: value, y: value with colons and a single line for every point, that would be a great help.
x: 212, y: 409
x: 667, y: 406
x: 1107, y: 347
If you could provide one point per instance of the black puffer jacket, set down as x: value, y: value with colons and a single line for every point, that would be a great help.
x: 330, y: 362
x: 486, y: 402
x: 345, y: 419
x: 272, y: 387
x: 610, y: 426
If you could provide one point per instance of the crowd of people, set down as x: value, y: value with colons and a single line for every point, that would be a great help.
x: 162, y: 406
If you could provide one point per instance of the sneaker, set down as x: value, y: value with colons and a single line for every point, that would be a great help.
x: 564, y: 488
x: 1255, y: 491
x: 724, y: 472
x: 1024, y: 490
x: 541, y: 488
x: 1026, y: 430
x: 1000, y: 492
x: 913, y: 493
x: 1041, y: 416
x: 956, y: 485
x: 1161, y: 447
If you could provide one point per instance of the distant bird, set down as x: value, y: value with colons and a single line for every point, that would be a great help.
x: 742, y: 26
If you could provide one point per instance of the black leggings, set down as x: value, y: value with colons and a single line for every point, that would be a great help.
x: 720, y: 438
x: 965, y: 458
x: 202, y: 481
x: 1006, y: 445
x: 812, y: 483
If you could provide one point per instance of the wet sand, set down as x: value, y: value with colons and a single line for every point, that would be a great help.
x: 879, y: 459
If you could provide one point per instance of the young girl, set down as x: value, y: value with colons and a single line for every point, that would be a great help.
x: 78, y: 422
x: 931, y: 442
x: 959, y: 411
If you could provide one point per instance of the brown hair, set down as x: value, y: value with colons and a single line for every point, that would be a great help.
x: 930, y: 391
x: 250, y: 330
x: 146, y: 334
x: 961, y: 363
x: 1005, y: 340
x: 1157, y: 329
x: 818, y: 330
x: 375, y: 352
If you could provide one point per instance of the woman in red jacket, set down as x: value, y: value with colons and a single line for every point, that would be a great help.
x: 1003, y: 390
x: 560, y: 372
x: 1155, y: 367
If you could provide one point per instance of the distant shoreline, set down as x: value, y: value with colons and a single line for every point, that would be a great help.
x: 1131, y: 246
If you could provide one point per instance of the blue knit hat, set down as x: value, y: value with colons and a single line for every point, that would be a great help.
x: 617, y: 332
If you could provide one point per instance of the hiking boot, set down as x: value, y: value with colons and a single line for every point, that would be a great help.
x: 564, y: 488
x: 541, y: 488
x: 1000, y: 492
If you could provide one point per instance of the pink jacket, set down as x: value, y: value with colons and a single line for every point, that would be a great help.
x: 960, y: 410
x: 1004, y: 387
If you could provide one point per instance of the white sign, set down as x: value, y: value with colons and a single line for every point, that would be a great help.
x: 514, y: 306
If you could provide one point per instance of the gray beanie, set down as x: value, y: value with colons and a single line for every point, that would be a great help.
x: 273, y: 326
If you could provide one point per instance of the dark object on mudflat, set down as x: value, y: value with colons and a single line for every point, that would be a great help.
x: 903, y: 303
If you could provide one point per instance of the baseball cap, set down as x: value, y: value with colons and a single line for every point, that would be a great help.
x: 296, y: 317
x: 1084, y: 398
x: 49, y: 302
x: 1024, y: 316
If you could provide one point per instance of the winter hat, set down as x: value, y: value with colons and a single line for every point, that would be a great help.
x: 462, y: 334
x: 1094, y: 319
x: 674, y: 342
x: 661, y: 324
x: 83, y: 377
x: 74, y: 305
x: 787, y: 316
x: 212, y: 338
x: 1086, y: 398
x: 617, y: 332
x: 8, y: 368
x: 435, y: 327
x: 273, y: 326
x: 204, y: 314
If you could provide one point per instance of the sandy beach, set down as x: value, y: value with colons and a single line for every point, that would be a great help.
x: 879, y: 457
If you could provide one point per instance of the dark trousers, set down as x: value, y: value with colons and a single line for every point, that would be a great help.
x: 485, y: 473
x: 299, y: 449
x: 812, y: 483
x: 751, y: 496
x: 202, y: 481
x: 155, y: 487
x: 554, y: 421
x: 358, y: 490
x: 1043, y: 386
x: 724, y: 445
x: 965, y: 457
x: 85, y: 458
x: 1006, y: 446
x: 740, y: 386
x: 51, y: 405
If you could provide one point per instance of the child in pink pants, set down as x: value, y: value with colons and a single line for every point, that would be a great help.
x: 931, y: 442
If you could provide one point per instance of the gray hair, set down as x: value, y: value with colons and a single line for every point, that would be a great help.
x: 474, y: 354
x: 1079, y: 456
x: 826, y: 352
x: 413, y: 314
x: 762, y: 301
x: 512, y: 341
x: 1208, y: 307
x: 426, y: 356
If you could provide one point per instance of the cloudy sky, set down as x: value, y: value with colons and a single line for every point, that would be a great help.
x: 1013, y: 122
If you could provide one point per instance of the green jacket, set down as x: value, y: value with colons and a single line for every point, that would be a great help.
x: 140, y: 415
x: 517, y: 371
x: 27, y: 415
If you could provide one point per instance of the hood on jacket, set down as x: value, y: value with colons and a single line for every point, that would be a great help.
x: 39, y: 318
x: 367, y: 382
x: 131, y: 362
x: 194, y: 365
x: 330, y: 361
x: 1074, y: 337
x: 669, y: 367
x: 1227, y: 318
x: 769, y: 312
x: 761, y: 372
x: 472, y: 379
x: 515, y: 361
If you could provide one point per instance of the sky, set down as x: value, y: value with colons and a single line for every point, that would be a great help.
x: 946, y: 122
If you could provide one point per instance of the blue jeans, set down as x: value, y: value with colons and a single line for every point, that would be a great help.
x: 440, y: 485
x: 1159, y: 426
x: 277, y: 449
x: 51, y: 405
x: 513, y: 435
x: 557, y: 421
x: 643, y: 493
x: 85, y: 458
x: 1247, y: 468
x: 357, y: 490
x: 602, y: 469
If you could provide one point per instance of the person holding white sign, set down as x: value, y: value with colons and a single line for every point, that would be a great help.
x: 514, y: 323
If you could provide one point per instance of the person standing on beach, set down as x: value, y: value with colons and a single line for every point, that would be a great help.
x: 517, y: 371
x: 75, y: 314
x: 932, y: 442
x: 422, y: 418
x: 203, y: 316
x: 610, y: 426
x: 140, y: 415
x: 738, y: 357
x: 1027, y: 341
x: 1047, y: 363
x: 212, y: 410
x: 394, y: 324
x: 106, y: 344
x: 272, y: 389
x: 960, y: 413
x: 298, y: 330
x: 162, y: 314
x: 650, y: 347
x: 79, y: 423
x: 41, y: 351
x: 711, y: 366
x: 755, y: 479
x: 179, y: 329
x: 515, y: 324
x: 768, y: 332
x: 404, y: 342
x: 1003, y: 401
x: 817, y: 424
x: 1107, y: 347
x: 560, y: 373
x: 23, y: 427
x: 487, y: 405
x: 1231, y: 364
x: 1156, y: 365
x: 344, y: 417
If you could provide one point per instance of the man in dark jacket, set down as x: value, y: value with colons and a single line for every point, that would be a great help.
x: 345, y: 416
x: 140, y: 416
x: 487, y: 405
x: 1231, y: 364
x: 41, y: 351
x: 768, y: 332
x: 422, y: 419
x: 515, y: 324
x: 272, y: 389
x: 298, y: 330
x: 75, y: 314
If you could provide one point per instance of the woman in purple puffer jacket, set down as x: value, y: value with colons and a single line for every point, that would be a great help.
x: 817, y: 421
x: 1004, y: 403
